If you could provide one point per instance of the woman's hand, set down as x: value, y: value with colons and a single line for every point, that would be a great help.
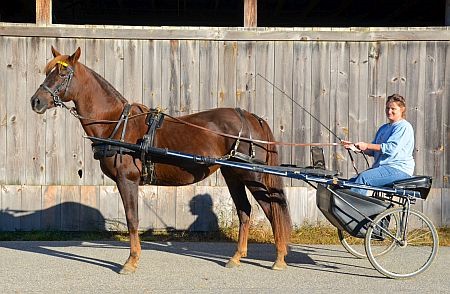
x: 363, y: 146
x: 351, y: 146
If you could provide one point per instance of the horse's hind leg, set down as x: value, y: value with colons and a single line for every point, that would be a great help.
x: 276, y: 210
x: 243, y: 207
x: 129, y: 192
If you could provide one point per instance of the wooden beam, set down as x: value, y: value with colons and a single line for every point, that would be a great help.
x: 43, y: 12
x: 359, y: 34
x: 250, y: 13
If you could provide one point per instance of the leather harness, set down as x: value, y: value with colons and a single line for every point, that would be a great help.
x: 154, y: 120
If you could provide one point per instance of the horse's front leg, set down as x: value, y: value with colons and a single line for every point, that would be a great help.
x: 129, y: 192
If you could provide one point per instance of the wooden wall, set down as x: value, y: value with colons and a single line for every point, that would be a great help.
x: 49, y: 179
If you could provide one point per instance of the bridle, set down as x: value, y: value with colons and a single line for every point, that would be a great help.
x: 63, y: 86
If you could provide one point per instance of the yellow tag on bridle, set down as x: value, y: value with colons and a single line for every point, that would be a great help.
x: 65, y: 64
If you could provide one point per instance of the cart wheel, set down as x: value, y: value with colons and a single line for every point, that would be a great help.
x: 409, y: 244
x: 354, y: 246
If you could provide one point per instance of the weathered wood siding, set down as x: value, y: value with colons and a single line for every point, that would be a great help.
x: 49, y: 179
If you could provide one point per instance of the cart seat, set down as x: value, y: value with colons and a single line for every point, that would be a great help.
x: 421, y: 184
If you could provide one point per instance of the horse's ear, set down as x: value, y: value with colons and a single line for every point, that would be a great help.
x: 55, y: 52
x: 74, y: 58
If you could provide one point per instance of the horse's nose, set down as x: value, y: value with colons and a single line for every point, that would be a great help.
x: 35, y: 102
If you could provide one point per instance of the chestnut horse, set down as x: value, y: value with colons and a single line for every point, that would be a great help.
x: 99, y: 106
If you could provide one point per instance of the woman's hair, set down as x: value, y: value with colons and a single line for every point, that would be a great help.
x: 399, y: 100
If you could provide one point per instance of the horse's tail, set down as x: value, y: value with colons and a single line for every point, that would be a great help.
x: 281, y: 218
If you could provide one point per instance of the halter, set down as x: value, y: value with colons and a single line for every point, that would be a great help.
x: 64, y: 85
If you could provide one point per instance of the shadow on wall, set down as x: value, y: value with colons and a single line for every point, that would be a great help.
x: 67, y: 216
x: 206, y: 221
x: 73, y: 216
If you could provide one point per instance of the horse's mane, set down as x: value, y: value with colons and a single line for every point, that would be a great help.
x: 106, y: 85
x: 52, y: 63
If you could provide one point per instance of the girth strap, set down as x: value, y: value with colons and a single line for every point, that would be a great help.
x: 154, y: 120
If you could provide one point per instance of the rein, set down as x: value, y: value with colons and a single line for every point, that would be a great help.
x: 249, y: 140
x: 125, y: 117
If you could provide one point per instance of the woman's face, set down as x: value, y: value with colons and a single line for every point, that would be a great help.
x: 394, y: 111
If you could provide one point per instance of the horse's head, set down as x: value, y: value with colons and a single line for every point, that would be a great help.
x: 56, y: 88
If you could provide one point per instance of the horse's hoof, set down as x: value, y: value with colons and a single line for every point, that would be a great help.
x: 232, y: 263
x: 127, y: 269
x: 279, y: 266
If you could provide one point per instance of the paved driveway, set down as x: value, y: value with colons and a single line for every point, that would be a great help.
x: 191, y: 266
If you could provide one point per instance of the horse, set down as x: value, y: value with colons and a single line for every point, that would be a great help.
x: 101, y: 109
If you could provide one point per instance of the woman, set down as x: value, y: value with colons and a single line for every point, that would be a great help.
x: 392, y: 148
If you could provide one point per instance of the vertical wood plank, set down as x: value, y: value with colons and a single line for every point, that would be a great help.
x: 250, y: 13
x: 434, y: 89
x: 16, y: 113
x: 432, y: 207
x: 377, y: 78
x: 166, y: 208
x: 31, y: 207
x: 186, y: 211
x: 282, y: 103
x: 90, y: 217
x: 114, y: 55
x: 224, y: 207
x: 94, y: 53
x: 265, y: 66
x: 190, y: 77
x: 170, y: 76
x: 151, y: 60
x: 320, y: 103
x: 51, y: 208
x: 339, y: 84
x: 297, y: 199
x: 35, y: 123
x: 226, y: 81
x: 148, y: 197
x: 55, y: 133
x: 397, y: 68
x: 109, y: 207
x: 70, y: 208
x: 208, y: 75
x: 302, y: 120
x: 43, y: 12
x: 3, y: 110
x: 132, y: 71
x: 445, y: 207
x: 313, y: 214
x: 446, y: 120
x: 73, y: 156
x: 245, y: 75
x: 227, y: 74
x: 358, y: 95
x: 11, y: 207
x: 415, y: 98
x: 208, y: 87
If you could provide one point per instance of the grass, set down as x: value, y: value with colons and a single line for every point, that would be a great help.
x: 307, y: 234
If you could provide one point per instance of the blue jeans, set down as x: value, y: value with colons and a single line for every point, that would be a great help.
x: 378, y: 177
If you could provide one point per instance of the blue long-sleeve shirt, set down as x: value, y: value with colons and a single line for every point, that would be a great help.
x: 397, y: 146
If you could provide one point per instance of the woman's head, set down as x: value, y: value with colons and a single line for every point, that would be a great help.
x: 395, y: 108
